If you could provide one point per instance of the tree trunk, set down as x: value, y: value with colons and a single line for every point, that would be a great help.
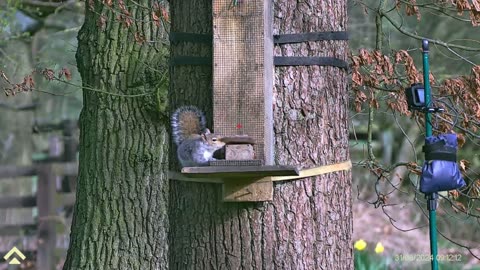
x: 308, y: 225
x: 311, y: 127
x: 120, y: 219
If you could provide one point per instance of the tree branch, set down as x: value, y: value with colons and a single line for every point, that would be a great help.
x: 402, y: 30
x: 439, y: 9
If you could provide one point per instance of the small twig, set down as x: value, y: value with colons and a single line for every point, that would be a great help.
x: 402, y: 30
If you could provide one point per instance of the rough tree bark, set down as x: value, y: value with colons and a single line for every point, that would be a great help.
x: 308, y: 225
x: 120, y: 219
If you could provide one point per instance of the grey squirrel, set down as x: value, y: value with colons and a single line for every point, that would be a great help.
x: 195, y: 143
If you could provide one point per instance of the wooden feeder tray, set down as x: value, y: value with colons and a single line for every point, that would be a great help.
x: 243, y: 183
x: 240, y: 171
x: 244, y: 178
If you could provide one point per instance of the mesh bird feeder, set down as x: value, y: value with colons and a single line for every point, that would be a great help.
x: 243, y: 64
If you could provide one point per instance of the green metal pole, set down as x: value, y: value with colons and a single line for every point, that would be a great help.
x: 431, y: 198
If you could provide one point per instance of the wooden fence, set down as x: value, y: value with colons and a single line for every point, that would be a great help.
x: 51, y: 195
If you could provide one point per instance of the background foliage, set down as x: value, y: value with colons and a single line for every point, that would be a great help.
x: 386, y: 58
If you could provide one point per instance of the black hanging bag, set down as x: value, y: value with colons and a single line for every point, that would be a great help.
x: 440, y: 171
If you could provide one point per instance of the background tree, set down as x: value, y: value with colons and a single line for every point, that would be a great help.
x: 30, y: 42
x: 308, y: 224
x: 120, y: 219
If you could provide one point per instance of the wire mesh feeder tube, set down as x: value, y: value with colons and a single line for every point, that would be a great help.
x: 243, y: 72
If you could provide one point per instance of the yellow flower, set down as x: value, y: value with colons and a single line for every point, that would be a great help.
x: 379, y: 248
x: 360, y: 244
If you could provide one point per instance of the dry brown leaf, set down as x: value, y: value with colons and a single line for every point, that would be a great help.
x: 464, y: 165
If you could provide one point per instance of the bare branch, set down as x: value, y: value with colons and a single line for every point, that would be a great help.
x: 402, y: 30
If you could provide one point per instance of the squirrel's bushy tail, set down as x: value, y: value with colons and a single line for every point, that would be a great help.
x: 186, y: 121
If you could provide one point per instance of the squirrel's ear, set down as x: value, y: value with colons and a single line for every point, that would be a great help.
x: 207, y: 131
x: 204, y: 137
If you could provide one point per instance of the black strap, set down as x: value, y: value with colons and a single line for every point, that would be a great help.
x: 441, y: 156
x: 309, y: 61
x: 436, y: 146
x: 440, y: 151
x: 312, y: 36
x: 278, y: 61
x: 176, y: 37
x: 191, y: 60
